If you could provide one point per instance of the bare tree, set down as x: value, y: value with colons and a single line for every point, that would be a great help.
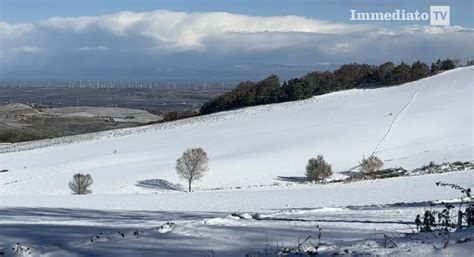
x: 192, y: 165
x: 80, y: 184
x: 371, y: 164
x: 318, y: 169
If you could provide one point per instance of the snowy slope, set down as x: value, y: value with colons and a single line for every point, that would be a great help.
x: 372, y: 192
x: 406, y: 125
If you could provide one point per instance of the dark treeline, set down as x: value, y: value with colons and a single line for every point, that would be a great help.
x: 348, y: 76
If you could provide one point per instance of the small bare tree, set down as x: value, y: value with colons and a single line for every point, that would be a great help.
x: 371, y: 164
x: 318, y: 169
x: 80, y: 184
x: 192, y: 165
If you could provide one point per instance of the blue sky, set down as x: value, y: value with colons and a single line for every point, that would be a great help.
x: 246, y: 39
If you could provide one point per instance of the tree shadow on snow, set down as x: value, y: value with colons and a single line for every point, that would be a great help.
x: 68, y: 232
x: 84, y: 232
x: 293, y: 179
x: 159, y: 184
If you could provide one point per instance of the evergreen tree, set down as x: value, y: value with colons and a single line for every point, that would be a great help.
x: 348, y: 76
x: 447, y: 64
x: 419, y: 70
x: 384, y: 72
x: 436, y: 67
x: 400, y: 74
x: 297, y: 89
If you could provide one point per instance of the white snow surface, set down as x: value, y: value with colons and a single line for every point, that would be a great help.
x: 267, y: 199
x: 408, y: 126
x: 257, y: 159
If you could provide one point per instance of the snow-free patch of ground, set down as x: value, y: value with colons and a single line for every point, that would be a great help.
x: 118, y: 114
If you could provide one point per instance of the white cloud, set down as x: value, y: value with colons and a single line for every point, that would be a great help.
x: 12, y: 31
x: 93, y: 48
x: 339, y: 48
x: 27, y: 49
x: 178, y: 38
x: 180, y: 31
x: 190, y: 30
x: 419, y: 29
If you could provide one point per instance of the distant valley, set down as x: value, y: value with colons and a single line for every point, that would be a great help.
x: 33, y: 113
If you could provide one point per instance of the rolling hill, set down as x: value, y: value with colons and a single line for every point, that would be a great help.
x: 252, y: 201
x: 407, y: 125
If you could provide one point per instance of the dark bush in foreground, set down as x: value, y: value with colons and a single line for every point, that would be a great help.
x: 318, y: 169
x: 81, y: 183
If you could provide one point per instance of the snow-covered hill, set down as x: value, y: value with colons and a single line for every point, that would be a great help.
x: 407, y: 125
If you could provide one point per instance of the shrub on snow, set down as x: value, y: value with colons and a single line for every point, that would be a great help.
x: 317, y: 169
x: 371, y: 164
x: 81, y: 183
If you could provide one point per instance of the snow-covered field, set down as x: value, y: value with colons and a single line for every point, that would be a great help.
x: 257, y: 156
